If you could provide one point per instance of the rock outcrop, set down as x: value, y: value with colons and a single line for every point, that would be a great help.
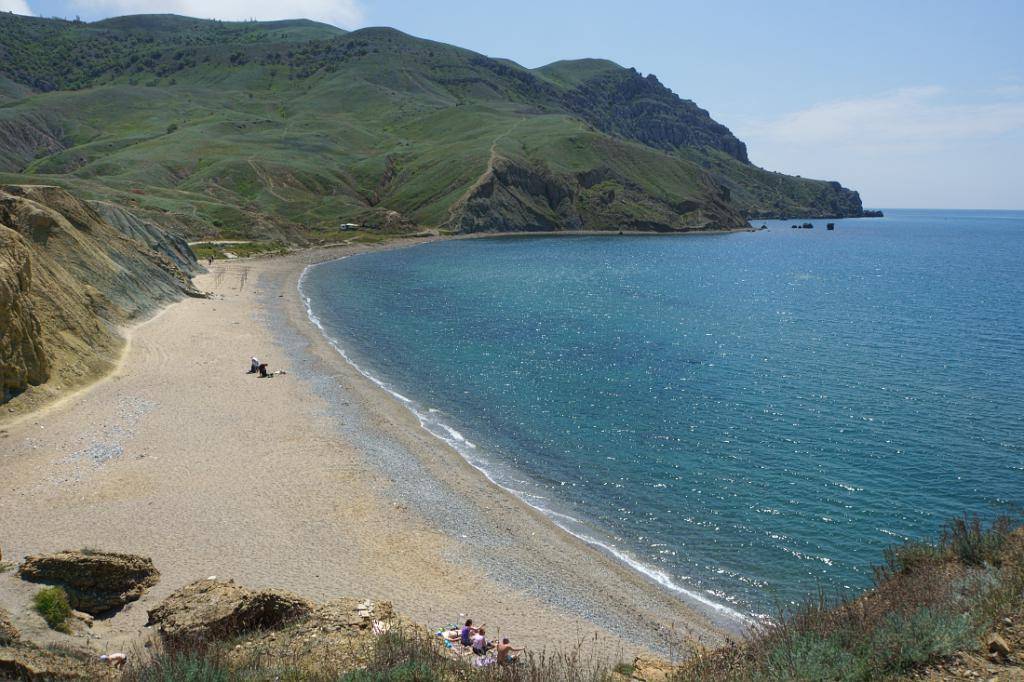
x: 161, y: 241
x: 270, y: 625
x: 215, y: 609
x: 68, y: 280
x: 640, y: 108
x: 8, y: 633
x: 24, y: 661
x: 515, y: 195
x: 23, y: 359
x: 96, y: 582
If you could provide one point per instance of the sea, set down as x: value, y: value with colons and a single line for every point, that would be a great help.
x: 748, y: 418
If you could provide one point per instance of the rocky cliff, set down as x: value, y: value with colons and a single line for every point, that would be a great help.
x: 513, y: 195
x: 22, y: 358
x: 68, y: 280
x: 640, y: 108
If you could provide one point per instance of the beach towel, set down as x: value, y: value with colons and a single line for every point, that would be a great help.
x: 484, y: 661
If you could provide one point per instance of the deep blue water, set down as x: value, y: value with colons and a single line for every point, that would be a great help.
x: 752, y: 415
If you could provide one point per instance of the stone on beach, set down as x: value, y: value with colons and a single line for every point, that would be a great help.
x: 211, y: 609
x: 96, y: 582
x: 30, y: 662
x: 8, y: 633
x: 997, y: 646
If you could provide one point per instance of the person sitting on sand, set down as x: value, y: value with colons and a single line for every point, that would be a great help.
x: 263, y: 370
x: 507, y: 652
x: 467, y: 632
x: 254, y: 365
x: 480, y: 644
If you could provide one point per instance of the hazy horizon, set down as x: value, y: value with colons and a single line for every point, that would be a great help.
x: 919, y: 105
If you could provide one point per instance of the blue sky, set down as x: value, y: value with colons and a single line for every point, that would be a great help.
x: 913, y: 103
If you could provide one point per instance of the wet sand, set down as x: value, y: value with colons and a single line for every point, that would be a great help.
x: 316, y: 481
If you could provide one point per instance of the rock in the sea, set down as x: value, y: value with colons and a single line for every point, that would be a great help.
x: 8, y: 633
x: 213, y: 609
x: 96, y: 582
x: 22, y: 358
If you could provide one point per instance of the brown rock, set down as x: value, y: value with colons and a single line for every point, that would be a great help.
x: 649, y: 670
x: 29, y: 662
x: 68, y: 280
x: 213, y: 609
x: 8, y: 633
x: 996, y: 645
x: 96, y: 582
x: 22, y: 358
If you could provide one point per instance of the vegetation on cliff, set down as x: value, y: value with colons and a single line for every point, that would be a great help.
x: 952, y: 609
x: 285, y: 130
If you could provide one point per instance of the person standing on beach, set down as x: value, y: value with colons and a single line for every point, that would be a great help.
x: 254, y: 365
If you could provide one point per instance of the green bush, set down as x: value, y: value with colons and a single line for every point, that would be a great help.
x: 905, y: 642
x: 52, y: 604
x: 810, y: 657
x: 929, y: 601
x: 974, y: 545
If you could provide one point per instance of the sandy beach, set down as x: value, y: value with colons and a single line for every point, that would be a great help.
x: 316, y: 481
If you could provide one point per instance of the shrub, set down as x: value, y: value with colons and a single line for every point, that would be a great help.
x: 52, y: 604
x: 929, y: 601
x: 973, y: 545
x: 193, y: 663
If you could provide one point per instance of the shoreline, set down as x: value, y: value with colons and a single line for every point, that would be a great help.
x: 316, y: 482
x: 455, y: 442
x: 725, y: 618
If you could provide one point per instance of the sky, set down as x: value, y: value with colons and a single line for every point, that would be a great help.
x: 914, y: 104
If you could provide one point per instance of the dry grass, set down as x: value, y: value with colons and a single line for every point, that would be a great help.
x: 929, y: 601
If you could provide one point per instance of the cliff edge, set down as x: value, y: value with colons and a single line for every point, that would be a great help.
x: 68, y: 280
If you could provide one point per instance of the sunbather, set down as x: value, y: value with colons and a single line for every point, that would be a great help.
x: 480, y: 644
x: 507, y: 652
x: 467, y: 632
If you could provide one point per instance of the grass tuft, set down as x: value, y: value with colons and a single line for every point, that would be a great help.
x: 52, y: 604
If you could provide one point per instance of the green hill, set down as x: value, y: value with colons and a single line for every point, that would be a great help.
x: 287, y: 129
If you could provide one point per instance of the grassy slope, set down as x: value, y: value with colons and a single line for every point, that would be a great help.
x: 285, y: 129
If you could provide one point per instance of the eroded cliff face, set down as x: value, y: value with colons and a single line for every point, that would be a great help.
x: 23, y: 360
x: 519, y: 196
x: 70, y: 279
x: 640, y: 108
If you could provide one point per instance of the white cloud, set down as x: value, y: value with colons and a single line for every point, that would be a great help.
x: 905, y: 118
x: 344, y: 13
x: 16, y: 6
x: 922, y: 146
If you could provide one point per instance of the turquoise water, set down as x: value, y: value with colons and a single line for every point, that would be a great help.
x: 746, y: 417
